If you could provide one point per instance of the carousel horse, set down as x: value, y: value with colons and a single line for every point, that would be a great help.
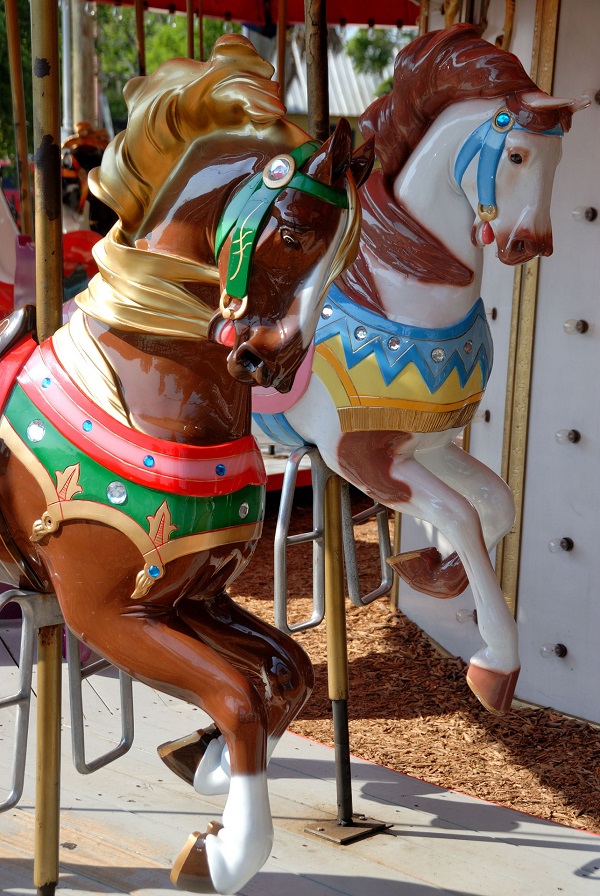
x: 129, y: 481
x: 468, y: 147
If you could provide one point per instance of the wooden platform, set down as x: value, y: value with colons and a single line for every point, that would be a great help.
x: 122, y: 826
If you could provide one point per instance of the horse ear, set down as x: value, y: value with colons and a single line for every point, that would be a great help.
x: 362, y: 162
x: 538, y: 100
x: 331, y: 161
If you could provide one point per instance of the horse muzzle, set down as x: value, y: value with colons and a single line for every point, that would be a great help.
x: 519, y: 249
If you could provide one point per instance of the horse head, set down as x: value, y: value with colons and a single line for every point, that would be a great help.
x: 510, y: 185
x: 285, y: 236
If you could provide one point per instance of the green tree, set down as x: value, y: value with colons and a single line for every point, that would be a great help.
x: 371, y: 50
x: 7, y: 134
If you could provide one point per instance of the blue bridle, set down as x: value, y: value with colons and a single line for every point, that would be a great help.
x: 488, y: 140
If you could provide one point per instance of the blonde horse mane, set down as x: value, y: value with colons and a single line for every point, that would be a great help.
x: 182, y: 101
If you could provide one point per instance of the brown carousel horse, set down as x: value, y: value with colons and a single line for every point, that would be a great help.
x: 129, y: 482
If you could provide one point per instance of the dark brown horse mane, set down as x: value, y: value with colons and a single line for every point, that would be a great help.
x: 439, y: 69
x: 431, y: 73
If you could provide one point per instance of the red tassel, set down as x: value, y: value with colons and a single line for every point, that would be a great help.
x: 487, y: 234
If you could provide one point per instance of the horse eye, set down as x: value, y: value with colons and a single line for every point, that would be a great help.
x: 516, y: 158
x: 290, y: 240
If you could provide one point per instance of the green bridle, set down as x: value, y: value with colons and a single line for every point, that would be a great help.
x: 246, y: 214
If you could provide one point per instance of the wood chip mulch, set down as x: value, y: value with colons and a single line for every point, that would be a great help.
x: 411, y: 709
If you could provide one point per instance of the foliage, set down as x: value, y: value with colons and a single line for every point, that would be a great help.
x: 165, y: 37
x: 7, y: 135
x: 385, y: 87
x: 371, y: 50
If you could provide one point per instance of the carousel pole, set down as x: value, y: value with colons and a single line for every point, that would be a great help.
x: 49, y: 291
x: 317, y: 78
x: 281, y: 47
x: 337, y: 646
x: 19, y: 116
x: 140, y: 36
x: 189, y: 8
x: 200, y: 31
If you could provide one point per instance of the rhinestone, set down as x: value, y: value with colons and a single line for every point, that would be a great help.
x: 116, y: 493
x: 361, y: 332
x: 468, y: 347
x: 87, y: 426
x: 438, y: 355
x: 154, y: 571
x: 36, y: 431
x: 220, y: 469
x: 394, y: 343
x: 149, y: 461
x: 244, y: 510
x: 278, y: 169
x: 327, y: 311
x: 503, y: 119
x: 46, y: 382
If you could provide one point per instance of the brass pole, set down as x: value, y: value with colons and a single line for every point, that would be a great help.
x: 423, y: 17
x: 200, y: 31
x: 281, y: 46
x: 19, y: 116
x: 315, y: 12
x: 49, y: 287
x: 394, y: 593
x: 46, y: 143
x: 337, y: 646
x: 47, y: 790
x: 189, y: 7
x: 140, y: 36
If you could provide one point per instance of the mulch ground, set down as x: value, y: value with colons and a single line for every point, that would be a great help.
x: 411, y: 710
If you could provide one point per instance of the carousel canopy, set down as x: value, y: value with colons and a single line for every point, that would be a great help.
x: 264, y: 12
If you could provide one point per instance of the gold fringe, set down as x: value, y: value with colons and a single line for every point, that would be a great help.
x: 405, y: 420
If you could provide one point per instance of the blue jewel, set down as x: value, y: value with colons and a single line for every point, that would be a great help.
x: 503, y: 119
x: 149, y: 461
x: 46, y: 382
x: 154, y: 571
x: 87, y: 425
x: 220, y: 469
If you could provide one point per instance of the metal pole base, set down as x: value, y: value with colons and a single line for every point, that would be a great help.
x: 47, y: 890
x: 360, y: 828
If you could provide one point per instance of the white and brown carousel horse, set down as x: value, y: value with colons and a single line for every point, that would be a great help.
x: 468, y: 148
x: 129, y: 481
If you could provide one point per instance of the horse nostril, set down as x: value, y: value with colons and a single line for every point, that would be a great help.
x: 248, y: 360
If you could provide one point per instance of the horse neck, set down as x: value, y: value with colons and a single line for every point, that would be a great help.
x: 427, y: 191
x: 175, y: 389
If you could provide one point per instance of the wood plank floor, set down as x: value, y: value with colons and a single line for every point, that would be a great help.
x: 122, y: 826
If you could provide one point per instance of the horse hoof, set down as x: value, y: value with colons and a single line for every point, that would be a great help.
x: 426, y: 571
x: 183, y: 756
x: 494, y: 690
x: 190, y: 870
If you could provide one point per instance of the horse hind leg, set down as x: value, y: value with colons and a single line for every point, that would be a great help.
x: 493, y: 671
x: 398, y: 480
x: 426, y: 570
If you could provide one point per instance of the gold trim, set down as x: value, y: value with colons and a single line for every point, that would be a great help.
x: 514, y: 451
x: 404, y: 419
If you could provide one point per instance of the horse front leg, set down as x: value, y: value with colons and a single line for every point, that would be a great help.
x: 155, y: 646
x: 278, y: 667
x: 381, y: 464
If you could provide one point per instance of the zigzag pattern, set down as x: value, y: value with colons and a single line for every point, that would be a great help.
x: 363, y: 333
